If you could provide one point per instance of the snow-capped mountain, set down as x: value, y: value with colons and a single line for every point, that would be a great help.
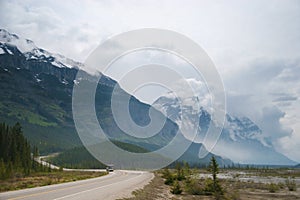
x: 36, y: 90
x: 32, y: 52
x: 44, y: 90
x: 243, y: 128
x: 238, y: 128
x: 241, y: 139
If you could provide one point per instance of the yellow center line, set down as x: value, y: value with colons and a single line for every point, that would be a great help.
x: 55, y: 190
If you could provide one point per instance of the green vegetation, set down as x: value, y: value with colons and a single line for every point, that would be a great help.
x: 22, y: 114
x: 168, y: 176
x: 43, y: 108
x: 182, y: 177
x: 194, y: 186
x: 179, y: 172
x: 16, y: 159
x: 80, y: 158
x: 18, y: 168
x: 76, y: 158
x: 214, y: 187
x: 273, y: 187
x: 129, y: 147
x: 176, y: 189
x: 174, y: 179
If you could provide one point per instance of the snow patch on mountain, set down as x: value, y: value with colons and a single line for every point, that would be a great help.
x: 237, y: 128
x: 243, y: 128
x: 31, y: 51
x: 2, y: 51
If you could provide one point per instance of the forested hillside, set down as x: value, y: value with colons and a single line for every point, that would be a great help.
x: 80, y: 158
x: 16, y: 154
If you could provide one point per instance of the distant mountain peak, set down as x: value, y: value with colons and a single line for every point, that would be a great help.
x: 4, y: 34
x: 31, y: 51
x: 241, y: 139
x: 245, y: 129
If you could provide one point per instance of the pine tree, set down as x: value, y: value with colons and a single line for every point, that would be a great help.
x: 214, y: 169
x: 15, y: 152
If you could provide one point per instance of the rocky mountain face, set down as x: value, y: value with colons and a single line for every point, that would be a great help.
x: 36, y: 90
x: 241, y: 140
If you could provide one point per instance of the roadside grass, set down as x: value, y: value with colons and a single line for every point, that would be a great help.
x: 156, y: 189
x: 46, y: 178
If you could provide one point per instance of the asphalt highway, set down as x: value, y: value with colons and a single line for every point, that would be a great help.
x: 117, y: 184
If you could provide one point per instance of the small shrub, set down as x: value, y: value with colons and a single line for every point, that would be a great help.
x: 176, y: 188
x: 166, y: 173
x: 213, y: 187
x: 281, y: 185
x: 186, y: 169
x: 193, y: 187
x: 179, y: 172
x: 48, y: 182
x: 291, y: 184
x: 272, y: 187
x: 209, y: 186
x: 168, y: 176
x: 169, y: 180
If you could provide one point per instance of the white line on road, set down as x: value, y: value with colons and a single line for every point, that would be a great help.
x: 71, y: 195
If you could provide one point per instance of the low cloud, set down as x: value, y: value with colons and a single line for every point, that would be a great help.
x: 268, y: 93
x: 285, y: 98
x: 271, y: 125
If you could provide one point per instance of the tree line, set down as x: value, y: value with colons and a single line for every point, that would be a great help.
x: 17, y: 157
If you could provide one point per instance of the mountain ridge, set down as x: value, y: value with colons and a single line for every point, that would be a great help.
x: 41, y: 99
x: 32, y: 52
x: 241, y: 140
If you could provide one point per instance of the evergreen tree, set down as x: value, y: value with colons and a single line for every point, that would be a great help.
x: 214, y: 169
x: 15, y: 152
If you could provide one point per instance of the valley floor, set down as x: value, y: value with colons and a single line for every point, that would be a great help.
x: 237, y: 184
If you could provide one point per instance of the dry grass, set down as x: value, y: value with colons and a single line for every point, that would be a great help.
x: 156, y: 189
x: 46, y: 178
x: 234, y: 190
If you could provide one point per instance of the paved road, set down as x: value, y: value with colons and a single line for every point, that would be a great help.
x: 117, y: 184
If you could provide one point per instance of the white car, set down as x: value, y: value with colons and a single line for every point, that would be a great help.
x: 110, y: 168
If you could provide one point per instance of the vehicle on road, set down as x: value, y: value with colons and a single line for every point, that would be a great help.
x: 110, y: 168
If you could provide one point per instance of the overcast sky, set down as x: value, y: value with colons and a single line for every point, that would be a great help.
x: 254, y: 44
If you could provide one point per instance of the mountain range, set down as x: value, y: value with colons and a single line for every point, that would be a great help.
x: 241, y: 139
x: 36, y: 90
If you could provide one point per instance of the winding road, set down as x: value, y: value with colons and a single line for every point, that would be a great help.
x: 117, y: 184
